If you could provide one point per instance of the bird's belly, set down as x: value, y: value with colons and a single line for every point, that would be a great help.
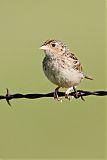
x: 63, y: 77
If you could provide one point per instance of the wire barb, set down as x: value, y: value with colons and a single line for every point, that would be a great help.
x: 8, y: 97
x: 78, y: 94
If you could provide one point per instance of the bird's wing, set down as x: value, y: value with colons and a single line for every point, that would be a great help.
x: 75, y: 62
x: 78, y: 67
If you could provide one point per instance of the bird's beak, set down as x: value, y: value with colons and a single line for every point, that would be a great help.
x: 44, y: 47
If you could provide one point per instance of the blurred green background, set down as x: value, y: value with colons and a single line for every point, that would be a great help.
x: 44, y: 128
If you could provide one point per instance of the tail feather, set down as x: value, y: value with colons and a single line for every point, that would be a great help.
x: 88, y: 77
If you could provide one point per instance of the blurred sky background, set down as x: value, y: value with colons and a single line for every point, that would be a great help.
x: 44, y: 128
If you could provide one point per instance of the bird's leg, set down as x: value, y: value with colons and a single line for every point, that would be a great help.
x: 77, y: 94
x: 56, y: 94
x: 67, y: 93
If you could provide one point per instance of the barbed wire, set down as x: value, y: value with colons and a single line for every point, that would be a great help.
x: 77, y: 94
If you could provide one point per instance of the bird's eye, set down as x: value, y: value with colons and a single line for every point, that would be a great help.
x: 53, y: 44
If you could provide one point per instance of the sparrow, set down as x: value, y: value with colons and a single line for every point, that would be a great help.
x: 62, y: 67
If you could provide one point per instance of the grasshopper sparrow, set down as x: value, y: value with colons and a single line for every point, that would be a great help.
x: 61, y: 66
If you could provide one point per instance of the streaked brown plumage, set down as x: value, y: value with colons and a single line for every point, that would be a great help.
x: 61, y: 66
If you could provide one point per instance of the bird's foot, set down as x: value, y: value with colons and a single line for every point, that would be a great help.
x: 56, y: 97
x: 68, y: 91
x: 78, y: 95
x: 67, y: 96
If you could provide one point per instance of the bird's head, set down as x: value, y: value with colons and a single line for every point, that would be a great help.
x: 53, y: 47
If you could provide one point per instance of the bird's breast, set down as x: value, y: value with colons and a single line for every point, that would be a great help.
x: 60, y: 72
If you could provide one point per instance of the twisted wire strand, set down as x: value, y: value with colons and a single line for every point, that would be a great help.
x: 77, y: 94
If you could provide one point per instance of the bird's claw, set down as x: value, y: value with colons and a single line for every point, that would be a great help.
x: 67, y: 96
x: 56, y: 97
x: 78, y: 95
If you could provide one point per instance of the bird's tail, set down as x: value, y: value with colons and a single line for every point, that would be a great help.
x: 88, y: 77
